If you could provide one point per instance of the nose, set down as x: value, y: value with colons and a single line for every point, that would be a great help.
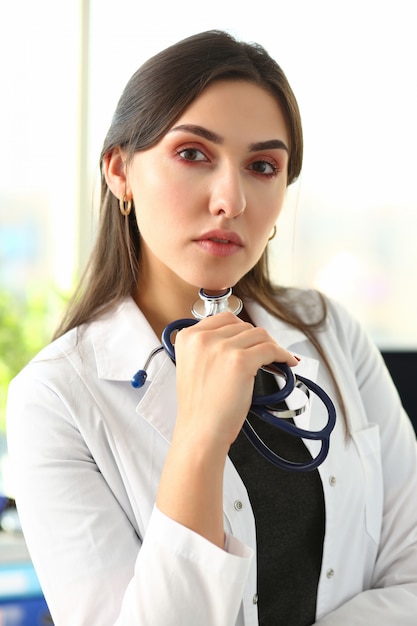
x: 227, y: 195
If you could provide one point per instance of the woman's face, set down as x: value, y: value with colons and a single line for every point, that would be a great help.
x: 208, y: 194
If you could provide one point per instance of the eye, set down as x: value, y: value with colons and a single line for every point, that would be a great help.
x: 266, y: 168
x: 192, y: 154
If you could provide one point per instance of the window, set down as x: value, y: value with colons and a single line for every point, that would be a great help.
x: 350, y: 222
x: 39, y: 48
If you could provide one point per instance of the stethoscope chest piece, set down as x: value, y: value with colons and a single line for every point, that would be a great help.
x: 211, y: 305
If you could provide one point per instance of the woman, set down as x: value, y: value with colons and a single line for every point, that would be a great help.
x: 147, y: 506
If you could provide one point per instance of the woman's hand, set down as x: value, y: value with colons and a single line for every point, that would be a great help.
x: 217, y: 360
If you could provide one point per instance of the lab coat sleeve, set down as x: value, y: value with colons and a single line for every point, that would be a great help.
x: 393, y: 596
x: 204, y: 579
x: 92, y: 566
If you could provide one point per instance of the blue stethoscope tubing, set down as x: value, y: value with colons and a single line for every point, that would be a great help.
x: 322, y: 435
x: 260, y: 405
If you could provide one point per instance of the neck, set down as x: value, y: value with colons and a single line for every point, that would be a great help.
x: 164, y: 304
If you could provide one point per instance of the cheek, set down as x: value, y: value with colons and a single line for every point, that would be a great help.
x: 160, y: 212
x: 163, y: 197
x: 268, y: 214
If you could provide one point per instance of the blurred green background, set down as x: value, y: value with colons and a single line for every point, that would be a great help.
x: 26, y: 325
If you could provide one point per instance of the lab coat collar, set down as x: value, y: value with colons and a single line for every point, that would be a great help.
x: 123, y: 338
x: 122, y: 341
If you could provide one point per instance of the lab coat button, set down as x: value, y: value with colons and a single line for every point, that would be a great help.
x: 238, y: 505
x: 332, y: 481
x: 330, y: 573
x: 255, y: 598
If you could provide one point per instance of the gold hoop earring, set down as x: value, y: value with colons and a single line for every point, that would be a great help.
x: 125, y: 205
x: 274, y: 232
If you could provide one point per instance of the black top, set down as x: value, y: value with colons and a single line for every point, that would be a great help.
x: 290, y: 519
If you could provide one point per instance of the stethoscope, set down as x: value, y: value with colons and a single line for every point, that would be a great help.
x: 262, y: 406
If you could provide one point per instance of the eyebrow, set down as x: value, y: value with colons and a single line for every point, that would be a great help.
x: 270, y: 144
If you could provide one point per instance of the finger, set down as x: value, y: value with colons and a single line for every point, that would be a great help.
x: 220, y: 326
x: 222, y: 320
x: 255, y: 337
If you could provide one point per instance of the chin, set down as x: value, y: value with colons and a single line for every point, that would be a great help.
x: 215, y: 285
x: 213, y: 288
x: 213, y: 280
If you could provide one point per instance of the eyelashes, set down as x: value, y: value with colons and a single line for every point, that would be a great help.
x: 264, y: 167
x: 192, y: 154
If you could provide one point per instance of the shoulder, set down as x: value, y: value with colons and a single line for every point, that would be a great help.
x: 107, y: 348
x: 314, y: 306
x: 336, y: 328
x: 67, y: 352
x: 309, y: 304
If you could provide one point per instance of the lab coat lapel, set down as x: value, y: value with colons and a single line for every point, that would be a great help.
x: 122, y: 343
x: 158, y: 404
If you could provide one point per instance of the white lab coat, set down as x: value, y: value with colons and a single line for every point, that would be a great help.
x: 88, y: 450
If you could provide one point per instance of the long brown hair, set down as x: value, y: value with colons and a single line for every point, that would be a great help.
x: 153, y: 99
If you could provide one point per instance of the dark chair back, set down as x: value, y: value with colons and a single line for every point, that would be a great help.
x: 403, y: 368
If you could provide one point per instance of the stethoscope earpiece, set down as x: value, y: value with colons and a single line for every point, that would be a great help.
x: 139, y: 379
x: 262, y: 406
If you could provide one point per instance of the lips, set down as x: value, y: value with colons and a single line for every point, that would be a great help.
x: 220, y: 243
x: 222, y: 237
x: 219, y: 240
